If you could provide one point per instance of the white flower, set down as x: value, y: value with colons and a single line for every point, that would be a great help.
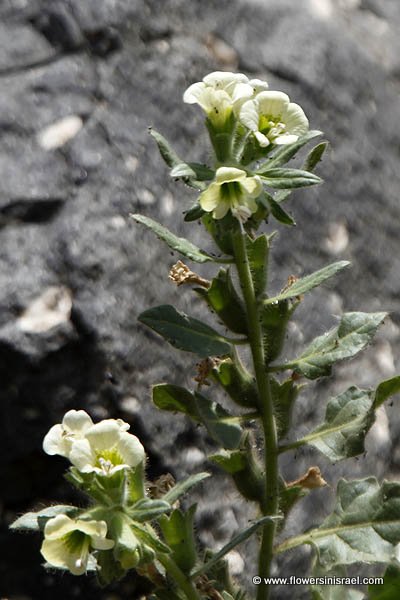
x: 273, y: 118
x: 232, y: 190
x: 106, y: 449
x: 222, y: 92
x: 68, y: 542
x: 74, y: 425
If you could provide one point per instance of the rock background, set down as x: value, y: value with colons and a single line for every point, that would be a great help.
x: 118, y: 66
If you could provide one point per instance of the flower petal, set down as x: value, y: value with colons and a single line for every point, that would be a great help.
x: 221, y: 210
x: 287, y: 138
x: 194, y: 92
x: 103, y: 435
x: 210, y: 198
x: 227, y: 174
x: 252, y: 186
x: 249, y: 115
x: 261, y: 139
x: 77, y: 421
x: 295, y: 120
x: 258, y: 85
x: 55, y: 443
x: 131, y: 450
x: 82, y: 456
x: 224, y: 79
x: 272, y: 104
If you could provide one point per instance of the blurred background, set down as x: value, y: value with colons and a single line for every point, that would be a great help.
x: 81, y: 81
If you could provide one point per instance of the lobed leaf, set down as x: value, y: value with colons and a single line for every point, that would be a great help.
x: 363, y: 528
x: 390, y: 590
x: 183, y: 332
x: 348, y: 419
x: 181, y: 245
x: 354, y: 333
x: 310, y: 281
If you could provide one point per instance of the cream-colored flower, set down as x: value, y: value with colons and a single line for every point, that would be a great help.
x: 232, y: 190
x: 73, y: 427
x: 273, y: 118
x: 222, y: 92
x: 68, y: 542
x: 106, y: 449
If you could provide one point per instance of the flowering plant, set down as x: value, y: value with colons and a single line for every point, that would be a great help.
x: 131, y: 523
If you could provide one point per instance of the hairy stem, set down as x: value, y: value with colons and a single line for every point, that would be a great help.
x: 183, y: 582
x: 270, y: 501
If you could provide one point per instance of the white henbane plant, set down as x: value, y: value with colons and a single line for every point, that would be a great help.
x: 131, y: 523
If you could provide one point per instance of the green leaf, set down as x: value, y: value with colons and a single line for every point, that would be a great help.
x: 235, y: 541
x: 363, y: 528
x: 178, y: 531
x: 283, y: 397
x: 148, y: 509
x: 257, y: 252
x: 222, y: 297
x: 148, y: 538
x: 288, y: 496
x: 287, y: 179
x: 221, y: 230
x: 310, y: 281
x: 167, y: 153
x: 284, y: 153
x: 387, y: 388
x: 32, y: 521
x: 176, y: 243
x: 243, y: 465
x: 315, y: 156
x: 109, y: 568
x: 354, y: 333
x: 237, y: 382
x: 348, y: 419
x: 183, y: 332
x: 182, y: 487
x: 215, y: 418
x: 194, y: 213
x: 324, y: 591
x: 390, y: 590
x: 280, y: 215
x: 195, y: 171
x: 274, y: 320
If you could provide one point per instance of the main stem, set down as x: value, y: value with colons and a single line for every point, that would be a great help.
x: 270, y: 501
x: 183, y: 582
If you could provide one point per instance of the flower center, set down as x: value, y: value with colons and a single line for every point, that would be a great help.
x: 271, y: 125
x: 108, y: 459
x: 74, y: 541
x: 231, y: 191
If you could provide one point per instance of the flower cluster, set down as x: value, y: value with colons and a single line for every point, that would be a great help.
x: 242, y: 114
x: 102, y: 449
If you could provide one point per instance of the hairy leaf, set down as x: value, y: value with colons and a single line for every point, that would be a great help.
x: 183, y: 486
x: 284, y: 153
x: 33, y: 520
x: 168, y: 154
x: 390, y: 590
x: 257, y: 252
x: 235, y: 541
x: 222, y: 297
x: 178, y: 531
x: 215, y: 418
x: 176, y: 243
x: 195, y: 171
x: 364, y: 526
x: 309, y: 282
x: 353, y: 334
x: 286, y: 179
x: 183, y: 332
x: 348, y: 419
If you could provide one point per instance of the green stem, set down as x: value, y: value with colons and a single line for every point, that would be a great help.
x: 183, y: 582
x: 270, y: 502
